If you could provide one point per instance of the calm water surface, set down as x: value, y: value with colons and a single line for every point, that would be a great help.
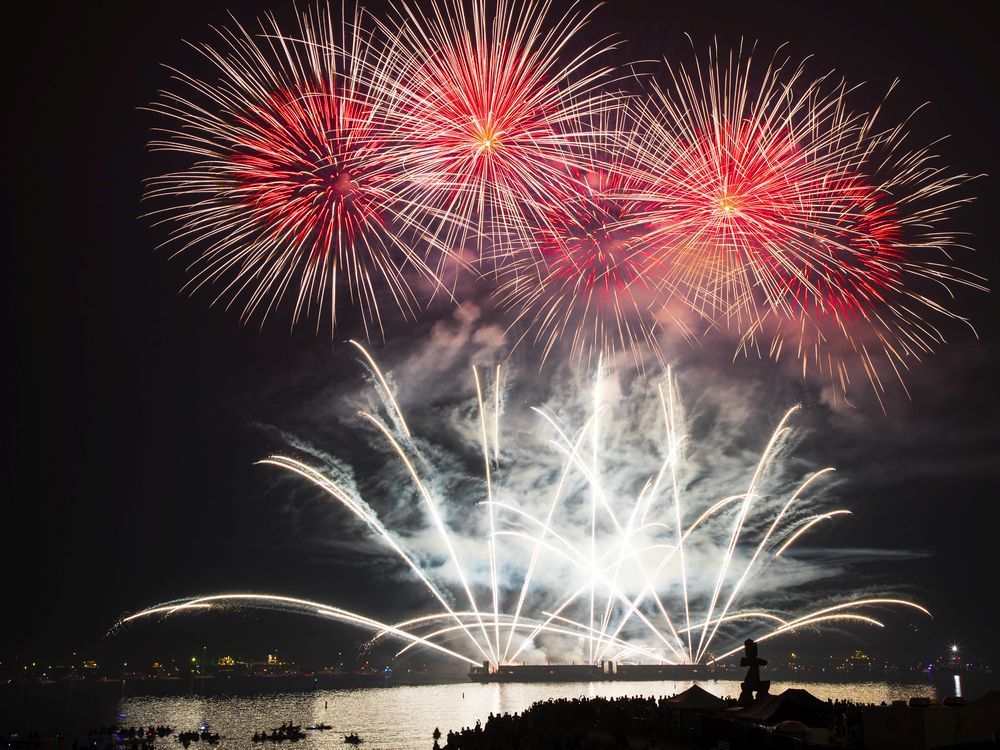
x: 403, y: 717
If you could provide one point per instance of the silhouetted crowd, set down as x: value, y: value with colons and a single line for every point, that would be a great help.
x: 566, y: 723
x: 846, y: 705
x: 563, y: 724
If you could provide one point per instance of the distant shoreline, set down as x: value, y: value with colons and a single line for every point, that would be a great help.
x: 555, y: 673
x: 559, y: 674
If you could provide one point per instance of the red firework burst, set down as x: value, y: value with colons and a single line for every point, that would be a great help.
x: 582, y: 241
x: 294, y: 182
x: 861, y: 259
x: 760, y: 206
x: 486, y: 110
x: 313, y: 169
x: 779, y: 211
x: 586, y: 275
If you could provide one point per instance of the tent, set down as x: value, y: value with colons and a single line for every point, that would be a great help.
x: 695, y: 697
x: 791, y: 705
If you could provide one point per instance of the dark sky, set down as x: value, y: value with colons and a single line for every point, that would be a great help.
x: 137, y: 410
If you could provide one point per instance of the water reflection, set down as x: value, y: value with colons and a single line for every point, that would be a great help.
x: 403, y: 718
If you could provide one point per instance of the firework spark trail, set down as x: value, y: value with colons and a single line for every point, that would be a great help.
x: 763, y: 543
x: 297, y: 605
x: 358, y: 508
x: 574, y: 456
x: 779, y: 433
x: 667, y: 558
x: 648, y: 493
x: 524, y: 625
x: 536, y: 550
x: 594, y: 573
x: 776, y: 436
x: 436, y: 517
x: 567, y: 448
x: 292, y: 186
x: 602, y: 637
x: 489, y: 497
x: 610, y: 600
x: 497, y: 387
x: 775, y: 439
x: 386, y: 391
x: 572, y: 555
x: 823, y: 614
x: 672, y: 442
x: 808, y: 525
x: 582, y: 562
x: 565, y: 536
x: 594, y: 489
x: 579, y: 630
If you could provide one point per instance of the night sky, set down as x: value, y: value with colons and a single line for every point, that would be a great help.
x: 138, y: 412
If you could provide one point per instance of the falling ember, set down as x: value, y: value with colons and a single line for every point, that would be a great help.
x: 292, y: 190
x: 661, y: 575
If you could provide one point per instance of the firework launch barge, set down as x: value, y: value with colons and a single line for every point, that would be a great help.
x: 591, y: 672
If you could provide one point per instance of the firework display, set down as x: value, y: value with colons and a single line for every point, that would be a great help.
x: 380, y: 162
x: 664, y: 574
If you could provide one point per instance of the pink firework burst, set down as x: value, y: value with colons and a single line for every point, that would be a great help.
x: 585, y: 273
x: 293, y: 184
